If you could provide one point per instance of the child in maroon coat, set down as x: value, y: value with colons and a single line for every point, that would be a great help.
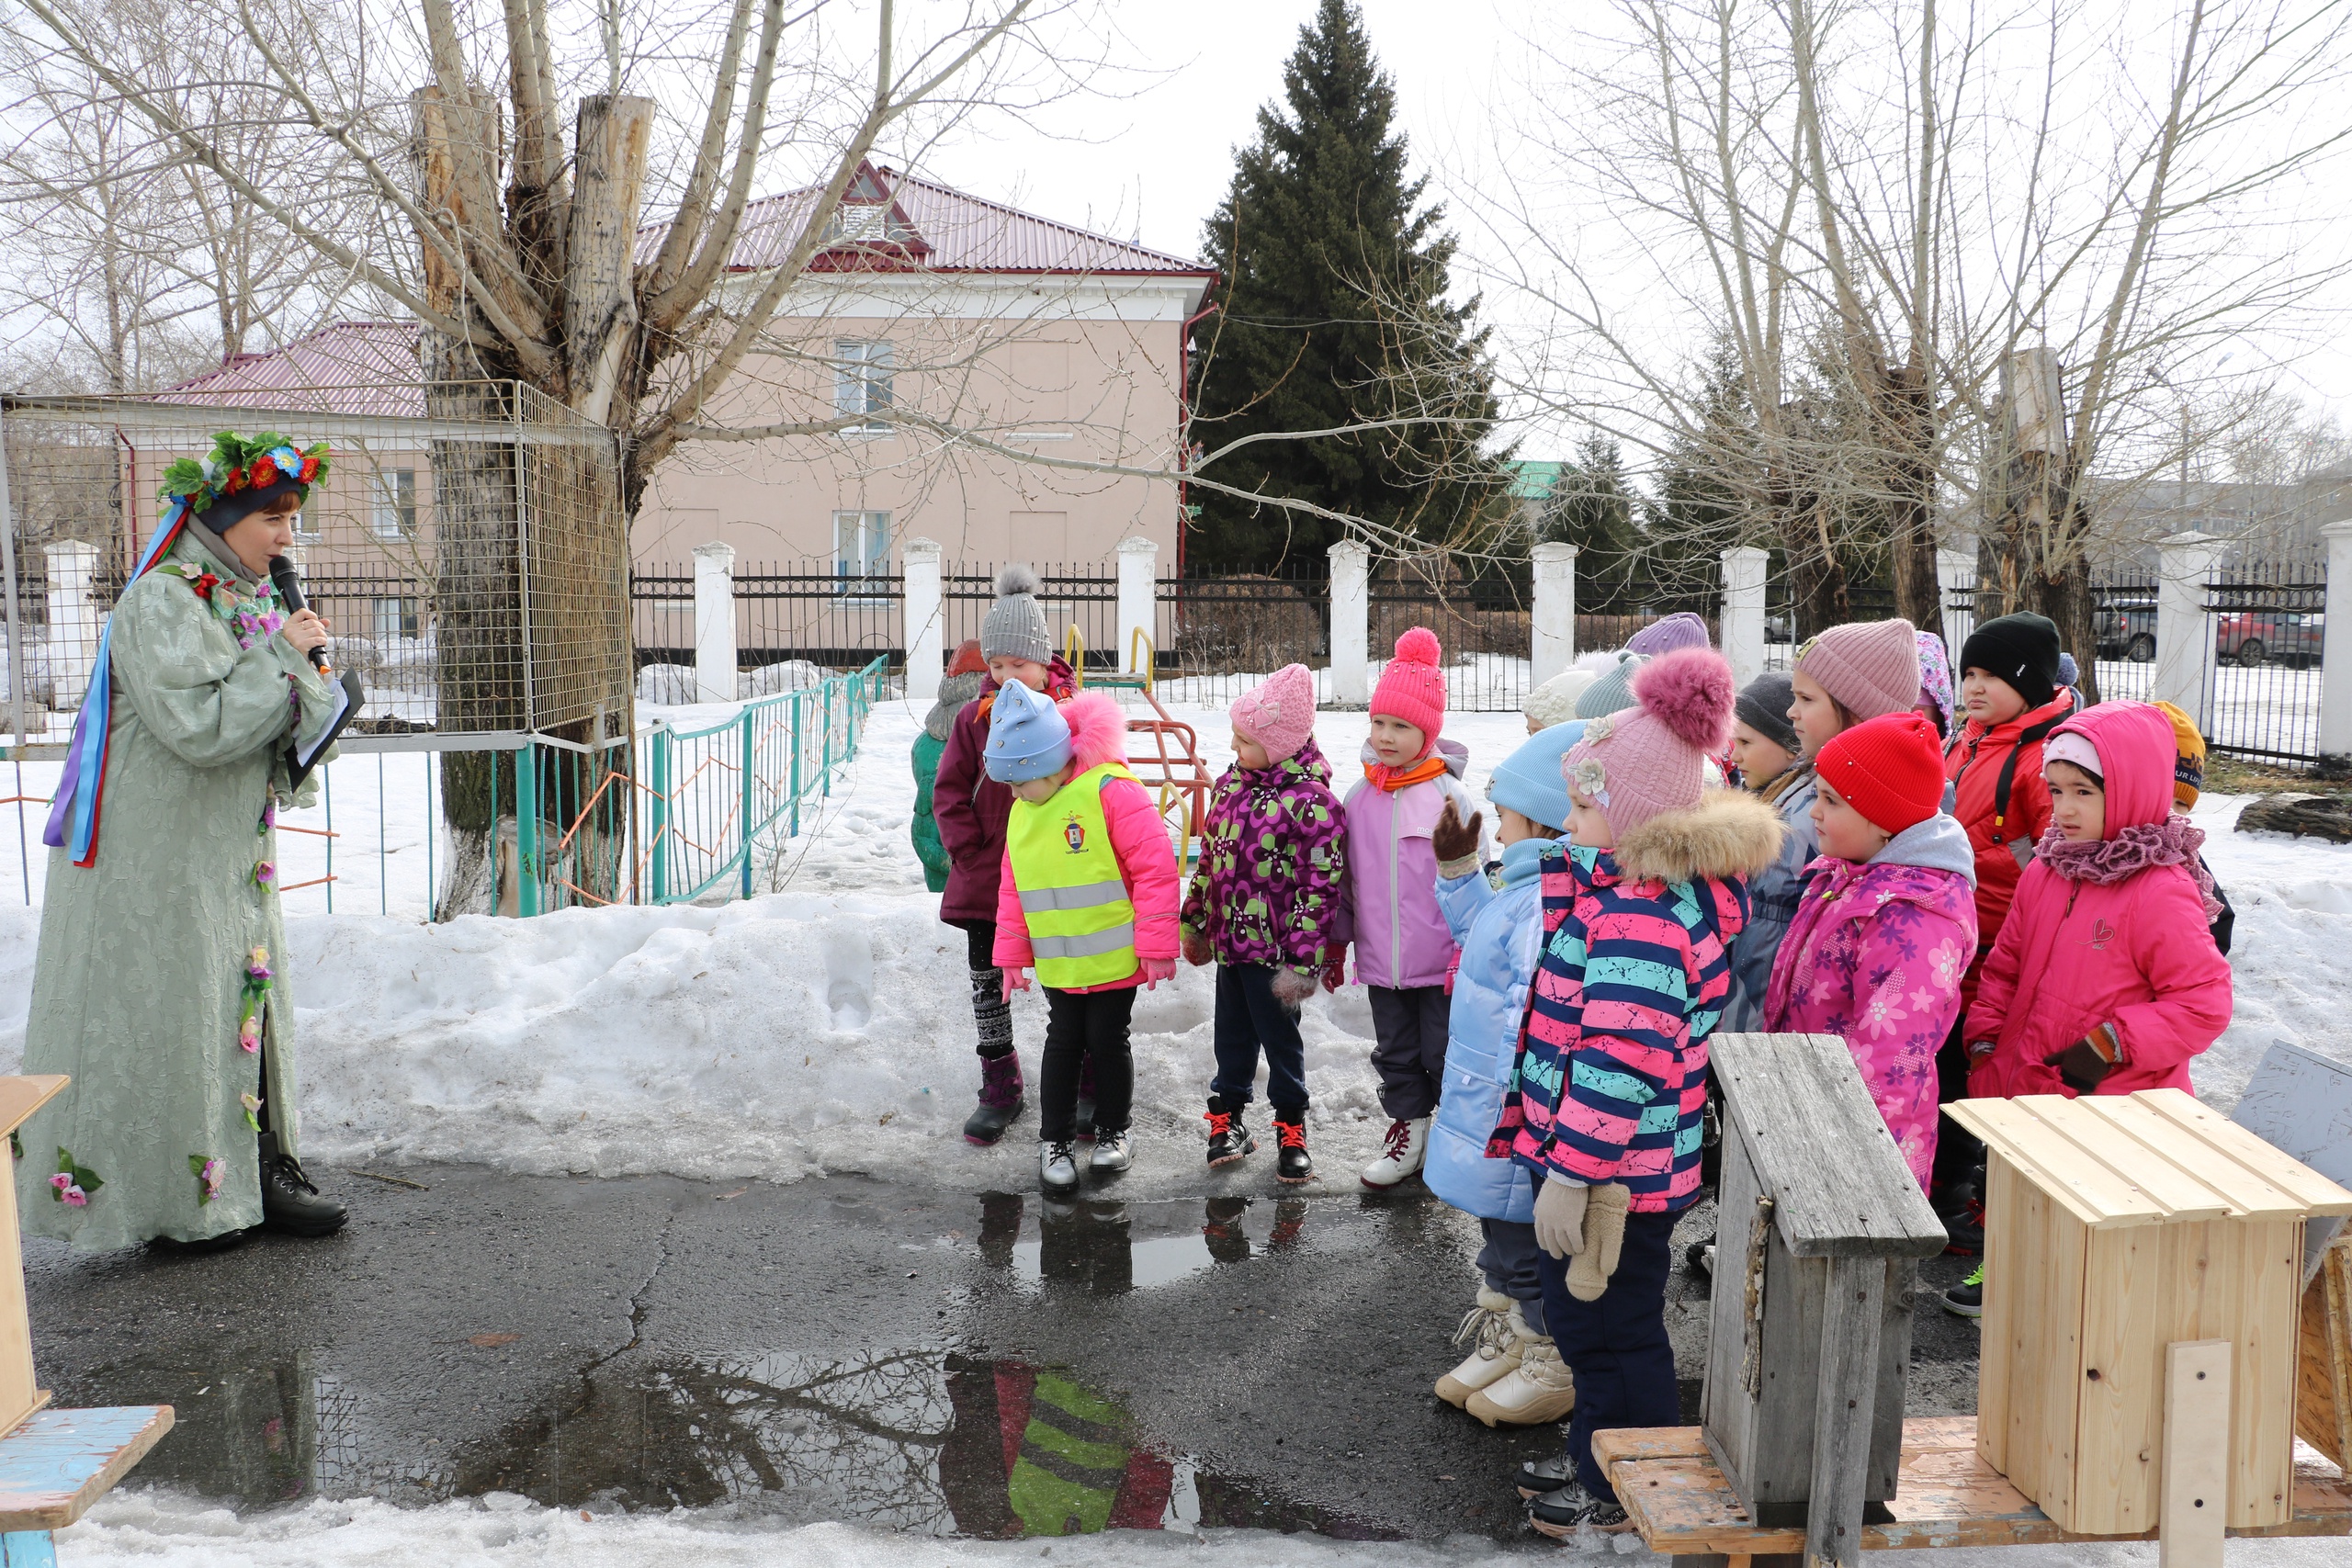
x: 972, y: 809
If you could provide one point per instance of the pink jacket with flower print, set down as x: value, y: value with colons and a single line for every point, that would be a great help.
x: 1874, y: 956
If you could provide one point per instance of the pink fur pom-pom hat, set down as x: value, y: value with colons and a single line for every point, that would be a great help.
x: 1650, y: 759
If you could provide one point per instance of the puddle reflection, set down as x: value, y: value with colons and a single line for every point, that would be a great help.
x: 922, y: 1440
x: 1106, y: 1247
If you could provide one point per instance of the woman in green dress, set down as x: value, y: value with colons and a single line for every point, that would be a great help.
x: 160, y: 984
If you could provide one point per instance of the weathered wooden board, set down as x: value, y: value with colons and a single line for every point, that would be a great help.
x: 1680, y: 1503
x: 57, y: 1464
x: 1839, y: 1185
x: 2323, y: 1373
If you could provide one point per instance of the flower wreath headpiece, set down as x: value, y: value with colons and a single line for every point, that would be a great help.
x: 239, y: 476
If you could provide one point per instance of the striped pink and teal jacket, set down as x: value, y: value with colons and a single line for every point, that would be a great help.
x: 1634, y: 974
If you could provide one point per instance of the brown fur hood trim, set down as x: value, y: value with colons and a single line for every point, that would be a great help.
x: 1729, y: 833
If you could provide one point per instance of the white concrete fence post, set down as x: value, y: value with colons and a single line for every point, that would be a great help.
x: 72, y: 621
x: 921, y: 615
x: 2184, y: 672
x: 1955, y: 575
x: 2336, y: 650
x: 1351, y: 623
x: 1741, y: 628
x: 1554, y: 646
x: 1138, y: 600
x: 715, y: 622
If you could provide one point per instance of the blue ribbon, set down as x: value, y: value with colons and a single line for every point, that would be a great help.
x: 74, y: 815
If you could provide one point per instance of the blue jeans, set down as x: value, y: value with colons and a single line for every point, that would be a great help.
x: 1248, y: 1019
x: 1616, y: 1347
x: 1509, y: 1262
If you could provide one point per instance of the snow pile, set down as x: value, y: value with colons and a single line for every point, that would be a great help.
x: 826, y: 1026
x: 155, y: 1529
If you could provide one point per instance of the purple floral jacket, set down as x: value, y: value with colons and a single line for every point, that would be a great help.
x: 1875, y: 957
x: 1266, y: 887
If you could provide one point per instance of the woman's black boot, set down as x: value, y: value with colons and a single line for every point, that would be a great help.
x: 288, y: 1201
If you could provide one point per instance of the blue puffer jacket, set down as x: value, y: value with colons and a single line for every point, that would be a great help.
x: 1773, y: 895
x: 1501, y: 935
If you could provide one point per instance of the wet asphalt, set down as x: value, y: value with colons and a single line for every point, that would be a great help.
x: 842, y: 1349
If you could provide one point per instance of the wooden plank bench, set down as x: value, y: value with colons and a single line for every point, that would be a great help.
x: 60, y: 1461
x: 1680, y: 1502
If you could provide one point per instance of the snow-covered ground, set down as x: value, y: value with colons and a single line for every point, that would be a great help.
x: 149, y: 1529
x: 826, y: 1027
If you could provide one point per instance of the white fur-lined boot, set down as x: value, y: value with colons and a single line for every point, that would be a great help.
x: 1491, y: 1330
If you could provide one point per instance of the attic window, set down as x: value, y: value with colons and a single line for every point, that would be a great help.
x: 860, y: 224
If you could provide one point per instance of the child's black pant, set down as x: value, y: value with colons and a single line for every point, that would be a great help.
x: 1248, y: 1019
x: 1616, y: 1347
x: 1082, y: 1026
x: 1409, y: 1028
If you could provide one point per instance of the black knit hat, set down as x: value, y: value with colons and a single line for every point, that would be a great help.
x: 1763, y: 706
x: 2021, y: 650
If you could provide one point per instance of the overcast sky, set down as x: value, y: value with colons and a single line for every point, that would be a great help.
x: 1149, y: 159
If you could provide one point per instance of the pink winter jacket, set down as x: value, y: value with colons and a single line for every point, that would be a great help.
x: 1138, y: 837
x: 2074, y: 954
x: 1874, y: 956
x: 1388, y: 904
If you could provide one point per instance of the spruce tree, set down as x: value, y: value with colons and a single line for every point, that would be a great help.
x: 1333, y: 313
x: 1591, y: 507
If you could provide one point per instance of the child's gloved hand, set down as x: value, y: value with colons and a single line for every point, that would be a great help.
x: 1154, y: 970
x: 1455, y: 841
x: 1197, y: 952
x: 1015, y: 980
x: 1293, y: 986
x: 1604, y: 1234
x: 1559, y: 1217
x: 2084, y: 1065
x: 1334, y: 967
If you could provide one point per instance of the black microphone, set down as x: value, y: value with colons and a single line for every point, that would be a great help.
x: 290, y: 593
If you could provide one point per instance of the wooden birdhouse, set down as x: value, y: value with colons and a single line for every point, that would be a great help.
x: 2119, y: 1229
x: 1820, y: 1227
x: 19, y: 1097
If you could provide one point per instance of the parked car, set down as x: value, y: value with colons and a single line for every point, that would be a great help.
x: 2250, y: 638
x: 2127, y: 629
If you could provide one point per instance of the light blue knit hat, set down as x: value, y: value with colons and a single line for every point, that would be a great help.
x: 1028, y: 736
x: 1530, y: 780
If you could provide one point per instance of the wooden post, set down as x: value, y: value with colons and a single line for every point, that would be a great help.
x: 2192, y: 1512
x: 1845, y: 1403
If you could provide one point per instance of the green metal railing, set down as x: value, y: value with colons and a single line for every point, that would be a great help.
x: 711, y: 795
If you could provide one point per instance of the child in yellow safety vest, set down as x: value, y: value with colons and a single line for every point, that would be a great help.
x: 1089, y: 899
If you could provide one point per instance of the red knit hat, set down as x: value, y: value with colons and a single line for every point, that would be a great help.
x: 1413, y: 688
x: 1889, y: 769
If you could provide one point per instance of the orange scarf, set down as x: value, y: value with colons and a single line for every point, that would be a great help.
x: 1384, y: 777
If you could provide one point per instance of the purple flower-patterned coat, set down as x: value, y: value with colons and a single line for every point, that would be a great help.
x: 1266, y: 890
x: 1875, y: 957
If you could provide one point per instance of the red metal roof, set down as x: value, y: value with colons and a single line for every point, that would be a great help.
x: 354, y: 368
x: 933, y: 229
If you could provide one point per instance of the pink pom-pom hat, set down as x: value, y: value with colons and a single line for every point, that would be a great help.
x: 1650, y: 759
x: 1279, y: 713
x: 1413, y: 687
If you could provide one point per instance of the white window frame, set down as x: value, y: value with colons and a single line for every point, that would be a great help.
x: 863, y: 370
x: 407, y: 620
x: 392, y: 514
x: 861, y: 554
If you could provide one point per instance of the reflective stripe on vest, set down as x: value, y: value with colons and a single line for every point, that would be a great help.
x: 1082, y: 924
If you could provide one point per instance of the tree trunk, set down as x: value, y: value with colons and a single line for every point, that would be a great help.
x: 1911, y: 514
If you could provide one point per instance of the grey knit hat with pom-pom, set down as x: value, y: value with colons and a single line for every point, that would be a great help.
x: 1014, y: 627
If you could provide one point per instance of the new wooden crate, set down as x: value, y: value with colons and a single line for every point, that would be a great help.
x: 2117, y: 1225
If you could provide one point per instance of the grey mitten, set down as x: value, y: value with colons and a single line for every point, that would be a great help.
x: 1293, y: 986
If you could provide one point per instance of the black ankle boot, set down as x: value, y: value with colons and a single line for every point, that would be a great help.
x: 1229, y: 1141
x: 1293, y: 1164
x: 1002, y: 1099
x: 288, y: 1201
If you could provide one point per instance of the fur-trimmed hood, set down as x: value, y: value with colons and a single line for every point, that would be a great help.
x: 1729, y: 833
x: 1098, y: 730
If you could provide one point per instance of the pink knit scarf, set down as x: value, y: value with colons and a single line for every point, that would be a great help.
x: 2107, y: 861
